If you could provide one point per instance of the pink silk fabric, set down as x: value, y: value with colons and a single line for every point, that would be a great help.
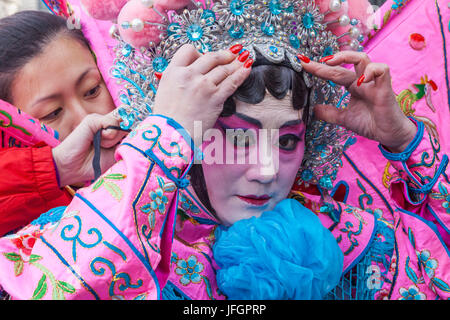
x: 18, y: 129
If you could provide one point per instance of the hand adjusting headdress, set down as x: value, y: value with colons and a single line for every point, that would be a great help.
x: 149, y: 32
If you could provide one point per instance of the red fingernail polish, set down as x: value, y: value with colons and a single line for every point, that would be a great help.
x: 236, y: 48
x: 158, y: 75
x: 303, y: 58
x: 361, y: 80
x: 325, y: 59
x: 248, y: 63
x: 243, y: 56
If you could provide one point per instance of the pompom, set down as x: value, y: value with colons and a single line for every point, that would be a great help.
x: 133, y: 26
x: 284, y: 254
x: 104, y: 9
x: 172, y: 4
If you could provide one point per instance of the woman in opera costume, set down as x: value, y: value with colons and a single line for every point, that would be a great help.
x: 174, y: 219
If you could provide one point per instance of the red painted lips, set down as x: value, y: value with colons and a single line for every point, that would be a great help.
x: 255, y: 200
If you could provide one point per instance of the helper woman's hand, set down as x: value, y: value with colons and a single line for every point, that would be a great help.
x: 194, y: 87
x: 73, y: 157
x: 373, y: 111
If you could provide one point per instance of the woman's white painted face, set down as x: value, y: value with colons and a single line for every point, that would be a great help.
x: 256, y: 170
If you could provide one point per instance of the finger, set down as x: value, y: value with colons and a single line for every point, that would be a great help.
x: 111, y: 137
x: 339, y: 75
x: 111, y: 134
x: 228, y: 86
x: 329, y: 114
x: 359, y: 59
x: 86, y: 130
x: 378, y: 72
x: 220, y: 73
x: 91, y: 124
x: 211, y: 60
x: 107, y: 159
x: 185, y: 56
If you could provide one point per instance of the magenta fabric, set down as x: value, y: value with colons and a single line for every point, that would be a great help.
x: 420, y: 79
x: 18, y: 129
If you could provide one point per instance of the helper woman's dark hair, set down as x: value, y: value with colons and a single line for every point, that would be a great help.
x: 265, y: 77
x: 23, y: 36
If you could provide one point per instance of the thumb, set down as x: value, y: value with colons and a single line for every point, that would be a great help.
x: 89, y: 126
x: 328, y: 113
x: 81, y: 138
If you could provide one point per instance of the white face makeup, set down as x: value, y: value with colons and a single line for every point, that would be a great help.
x: 249, y: 189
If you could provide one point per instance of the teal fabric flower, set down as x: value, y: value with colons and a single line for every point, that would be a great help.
x: 412, y: 293
x: 444, y: 195
x: 429, y: 264
x: 446, y: 204
x: 159, y: 200
x: 188, y: 205
x: 189, y: 270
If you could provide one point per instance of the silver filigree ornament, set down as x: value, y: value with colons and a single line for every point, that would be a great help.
x: 279, y: 30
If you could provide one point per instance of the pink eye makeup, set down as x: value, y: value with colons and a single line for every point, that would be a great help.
x: 290, y: 133
x: 288, y: 142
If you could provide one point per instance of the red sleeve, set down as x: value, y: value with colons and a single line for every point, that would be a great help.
x: 28, y: 186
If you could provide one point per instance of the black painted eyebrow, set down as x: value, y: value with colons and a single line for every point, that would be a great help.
x: 291, y: 123
x: 251, y: 120
x: 257, y: 123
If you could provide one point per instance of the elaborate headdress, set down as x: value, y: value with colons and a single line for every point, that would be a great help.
x: 149, y: 32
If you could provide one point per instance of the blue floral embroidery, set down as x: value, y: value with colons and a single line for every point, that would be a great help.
x: 76, y: 240
x: 189, y: 270
x: 159, y: 200
x: 377, y: 213
x: 188, y: 205
x: 350, y: 235
x: 125, y: 279
x: 412, y: 293
x: 53, y: 216
x: 442, y: 195
x: 429, y: 264
x: 367, y: 278
x: 446, y: 204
